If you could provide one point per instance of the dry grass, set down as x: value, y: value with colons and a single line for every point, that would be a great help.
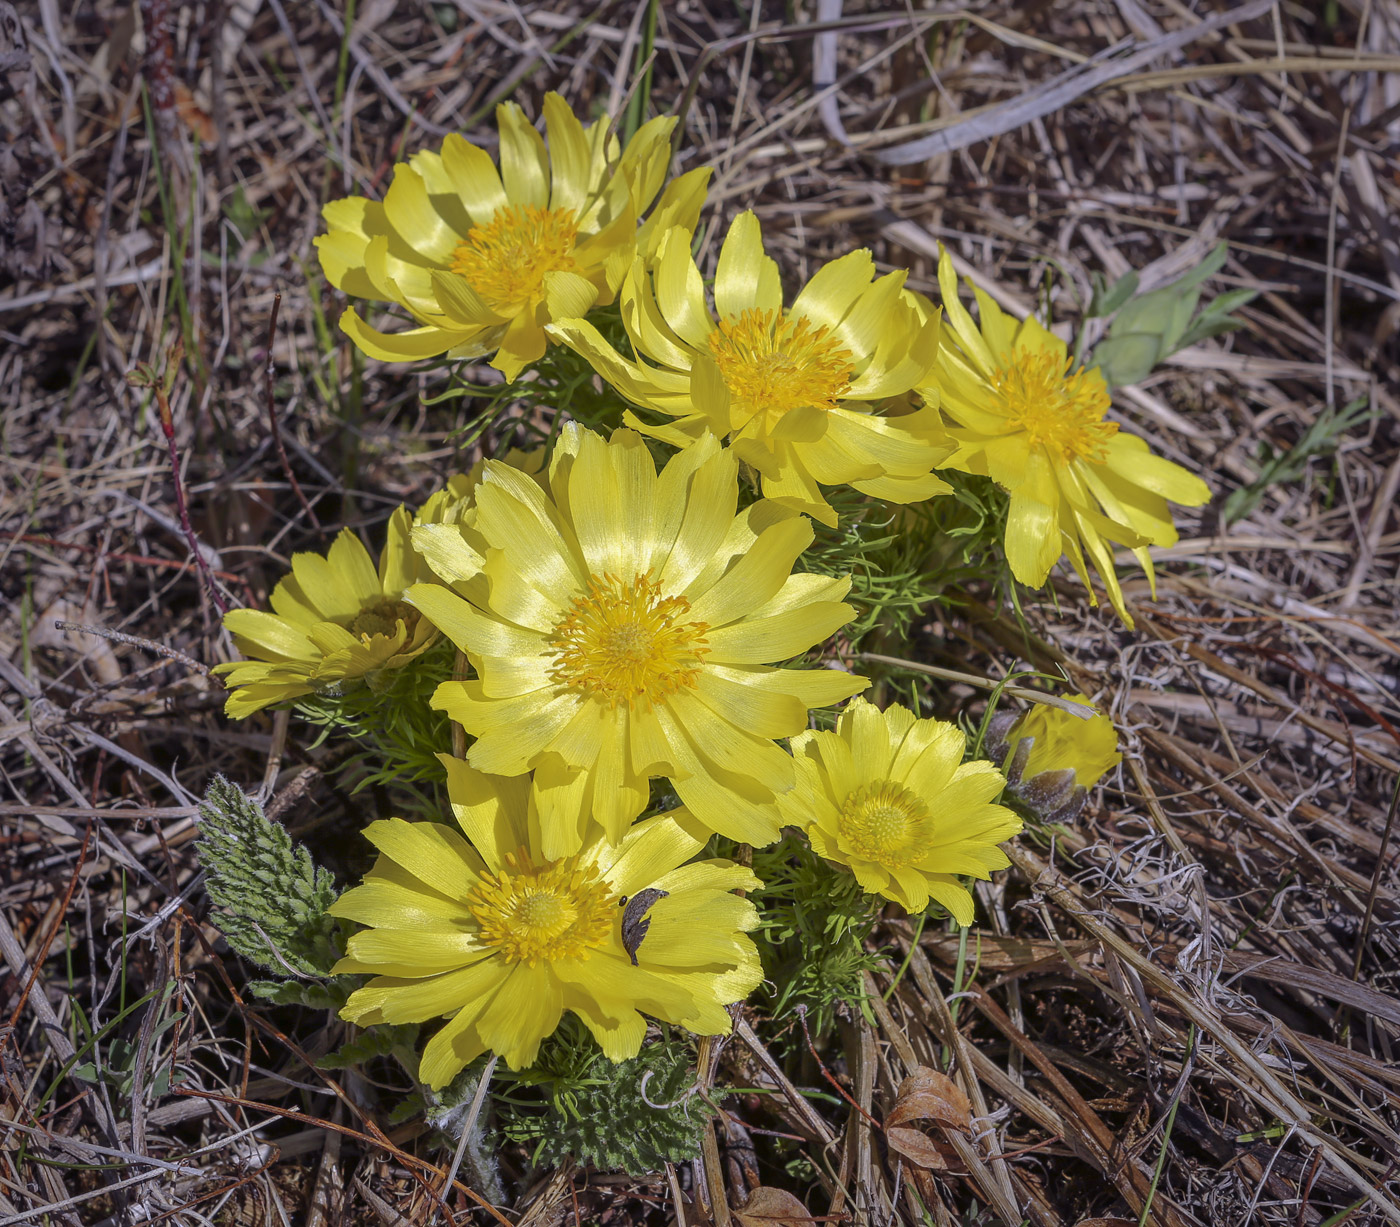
x: 1184, y: 1012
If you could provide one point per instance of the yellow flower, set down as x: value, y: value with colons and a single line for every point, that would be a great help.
x: 1021, y: 417
x: 1053, y: 757
x: 455, y: 503
x: 620, y: 623
x: 335, y: 620
x: 793, y: 389
x: 889, y: 796
x: 483, y: 259
x: 444, y: 528
x: 503, y: 939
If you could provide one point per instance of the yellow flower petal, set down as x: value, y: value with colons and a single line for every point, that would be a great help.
x: 527, y: 1008
x: 570, y: 156
x: 746, y: 701
x: 524, y: 165
x: 410, y: 212
x: 526, y: 724
x: 679, y: 207
x: 396, y: 1000
x: 411, y: 953
x: 270, y: 636
x: 756, y: 577
x: 567, y: 295
x: 765, y: 640
x: 834, y: 289
x: 650, y: 849
x: 456, y: 1045
x: 746, y: 278
x: 490, y: 809
x: 474, y: 177
x: 434, y: 854
x: 680, y: 290
x: 409, y: 346
x: 1131, y: 460
x: 1032, y: 539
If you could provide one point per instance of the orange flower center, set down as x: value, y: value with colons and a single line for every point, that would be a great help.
x: 773, y: 364
x: 1059, y: 411
x: 558, y: 910
x: 886, y: 823
x: 506, y: 260
x: 626, y: 643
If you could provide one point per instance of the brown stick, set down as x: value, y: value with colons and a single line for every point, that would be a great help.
x: 269, y: 373
x: 145, y: 377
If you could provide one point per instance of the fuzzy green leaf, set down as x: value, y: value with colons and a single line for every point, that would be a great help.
x: 274, y: 899
x: 634, y: 1116
x: 1149, y: 328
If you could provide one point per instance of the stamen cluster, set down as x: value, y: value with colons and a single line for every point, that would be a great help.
x: 506, y: 260
x: 772, y: 364
x: 626, y: 643
x: 559, y: 910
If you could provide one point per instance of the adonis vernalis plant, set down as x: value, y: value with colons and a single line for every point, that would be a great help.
x: 649, y: 617
x: 794, y: 390
x: 335, y: 621
x: 1020, y: 415
x: 484, y: 257
x: 889, y: 796
x: 623, y: 625
x: 502, y: 940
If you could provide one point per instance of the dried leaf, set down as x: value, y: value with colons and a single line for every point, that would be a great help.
x: 928, y: 1095
x: 767, y: 1207
x: 636, y: 922
x: 196, y: 118
x: 918, y: 1148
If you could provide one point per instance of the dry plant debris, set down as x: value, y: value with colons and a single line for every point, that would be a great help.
x: 1182, y: 1009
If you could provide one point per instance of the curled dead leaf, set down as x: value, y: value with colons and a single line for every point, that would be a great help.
x: 918, y: 1148
x: 768, y: 1207
x: 928, y: 1095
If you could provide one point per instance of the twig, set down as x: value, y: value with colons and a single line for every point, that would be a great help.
x: 1059, y: 91
x: 473, y: 1113
x: 139, y: 560
x: 826, y: 1073
x: 136, y: 641
x: 270, y: 372
x: 53, y: 930
x: 983, y: 683
x: 144, y: 376
x: 159, y: 70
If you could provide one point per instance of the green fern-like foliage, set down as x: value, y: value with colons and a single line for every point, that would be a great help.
x: 816, y: 923
x: 273, y: 897
x: 884, y: 550
x: 561, y: 381
x: 634, y: 1116
x: 398, y: 734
